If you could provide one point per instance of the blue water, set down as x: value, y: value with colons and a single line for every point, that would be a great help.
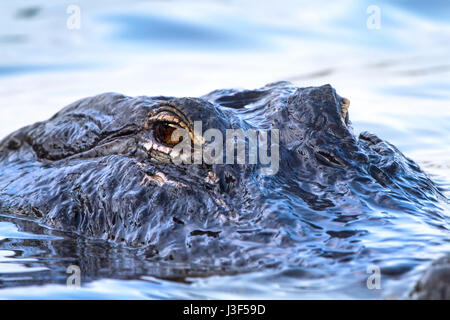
x: 397, y: 78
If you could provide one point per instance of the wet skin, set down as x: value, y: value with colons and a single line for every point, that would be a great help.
x: 101, y: 168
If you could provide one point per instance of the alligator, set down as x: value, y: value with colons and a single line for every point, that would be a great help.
x: 104, y: 168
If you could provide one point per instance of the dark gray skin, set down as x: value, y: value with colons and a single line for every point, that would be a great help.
x: 435, y: 283
x: 89, y: 170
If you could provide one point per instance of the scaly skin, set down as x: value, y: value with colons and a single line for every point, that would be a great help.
x: 96, y: 168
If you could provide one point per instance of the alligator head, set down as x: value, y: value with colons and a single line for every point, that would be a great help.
x: 105, y: 167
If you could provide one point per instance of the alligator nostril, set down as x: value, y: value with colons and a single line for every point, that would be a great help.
x: 345, y: 104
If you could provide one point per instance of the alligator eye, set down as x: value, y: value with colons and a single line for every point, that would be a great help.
x: 163, y: 124
x: 162, y: 132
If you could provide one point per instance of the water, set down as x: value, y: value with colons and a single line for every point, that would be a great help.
x: 397, y: 78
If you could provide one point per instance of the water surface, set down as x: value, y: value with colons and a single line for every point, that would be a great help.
x: 397, y: 78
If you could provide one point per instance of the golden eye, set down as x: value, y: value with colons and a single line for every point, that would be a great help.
x: 163, y: 124
x: 162, y: 132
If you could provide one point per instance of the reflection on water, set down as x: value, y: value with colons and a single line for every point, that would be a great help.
x: 397, y: 78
